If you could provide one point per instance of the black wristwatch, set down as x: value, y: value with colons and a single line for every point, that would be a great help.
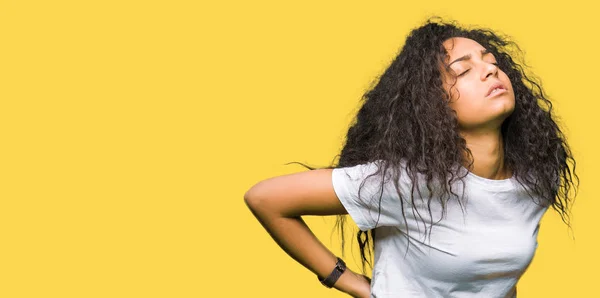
x: 330, y: 280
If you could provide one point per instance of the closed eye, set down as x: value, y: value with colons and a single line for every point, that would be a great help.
x: 495, y: 63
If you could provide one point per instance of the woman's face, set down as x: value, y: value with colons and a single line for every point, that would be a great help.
x: 476, y: 75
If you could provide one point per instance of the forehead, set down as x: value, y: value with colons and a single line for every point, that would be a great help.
x: 459, y: 46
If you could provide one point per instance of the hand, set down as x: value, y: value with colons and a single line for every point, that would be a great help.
x: 354, y: 284
x: 367, y: 292
x: 367, y: 278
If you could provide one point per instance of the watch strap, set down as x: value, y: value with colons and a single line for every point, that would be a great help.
x: 330, y: 280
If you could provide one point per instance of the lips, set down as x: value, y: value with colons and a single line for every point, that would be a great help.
x: 494, y: 86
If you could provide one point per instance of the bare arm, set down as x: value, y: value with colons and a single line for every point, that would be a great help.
x: 278, y: 203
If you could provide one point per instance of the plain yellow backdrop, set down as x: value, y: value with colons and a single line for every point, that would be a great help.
x: 130, y: 131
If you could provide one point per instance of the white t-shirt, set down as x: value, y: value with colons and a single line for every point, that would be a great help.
x: 482, y: 253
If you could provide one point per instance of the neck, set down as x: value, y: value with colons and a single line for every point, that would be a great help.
x: 488, y: 154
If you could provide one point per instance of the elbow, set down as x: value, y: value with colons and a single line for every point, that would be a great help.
x: 249, y: 199
x: 260, y: 202
x: 252, y: 200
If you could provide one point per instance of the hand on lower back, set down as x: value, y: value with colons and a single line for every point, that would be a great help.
x: 354, y: 284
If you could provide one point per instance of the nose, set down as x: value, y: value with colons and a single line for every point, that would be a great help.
x: 489, y: 70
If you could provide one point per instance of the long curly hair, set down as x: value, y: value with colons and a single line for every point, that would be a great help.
x: 405, y: 117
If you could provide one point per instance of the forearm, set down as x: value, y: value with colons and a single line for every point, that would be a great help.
x: 297, y: 240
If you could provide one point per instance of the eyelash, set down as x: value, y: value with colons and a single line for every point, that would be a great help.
x: 495, y: 63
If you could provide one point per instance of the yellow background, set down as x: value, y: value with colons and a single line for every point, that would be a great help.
x: 130, y: 131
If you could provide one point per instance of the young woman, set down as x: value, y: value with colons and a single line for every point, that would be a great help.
x: 452, y: 161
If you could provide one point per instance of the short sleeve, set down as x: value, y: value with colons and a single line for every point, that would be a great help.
x: 366, y: 210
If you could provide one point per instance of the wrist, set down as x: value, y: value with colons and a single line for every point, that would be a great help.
x: 331, y: 279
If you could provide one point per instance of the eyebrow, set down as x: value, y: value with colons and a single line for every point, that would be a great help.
x: 467, y: 57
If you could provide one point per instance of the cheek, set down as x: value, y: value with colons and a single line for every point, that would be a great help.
x: 466, y: 103
x: 463, y: 93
